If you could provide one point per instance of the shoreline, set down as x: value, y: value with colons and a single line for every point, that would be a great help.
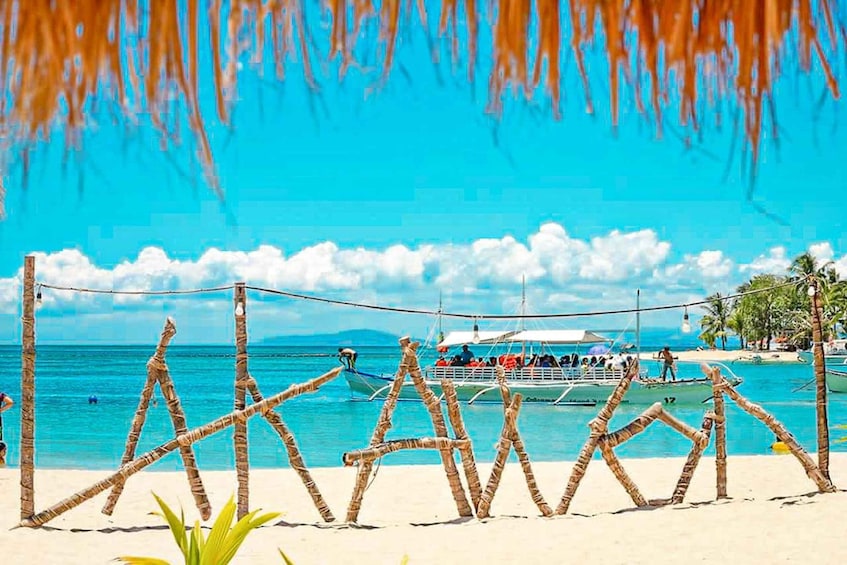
x: 731, y: 356
x: 408, y: 511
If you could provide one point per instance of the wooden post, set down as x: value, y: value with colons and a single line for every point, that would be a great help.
x: 693, y: 459
x: 382, y: 426
x: 294, y: 457
x: 468, y: 462
x: 433, y: 406
x: 189, y: 437
x: 242, y: 463
x: 820, y: 379
x: 812, y: 470
x: 720, y: 433
x: 28, y: 390
x: 598, y: 427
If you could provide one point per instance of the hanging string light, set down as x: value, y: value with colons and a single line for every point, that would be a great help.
x: 686, y: 325
x: 475, y: 331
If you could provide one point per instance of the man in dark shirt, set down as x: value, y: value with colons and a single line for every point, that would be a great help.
x: 466, y: 356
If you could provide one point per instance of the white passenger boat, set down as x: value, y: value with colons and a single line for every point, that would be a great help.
x: 552, y: 384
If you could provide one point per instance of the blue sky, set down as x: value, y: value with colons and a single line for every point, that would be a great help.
x: 416, y: 165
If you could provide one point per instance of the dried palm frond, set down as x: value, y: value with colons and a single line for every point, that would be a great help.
x: 56, y: 58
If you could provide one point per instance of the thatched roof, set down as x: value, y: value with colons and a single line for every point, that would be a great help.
x: 57, y: 57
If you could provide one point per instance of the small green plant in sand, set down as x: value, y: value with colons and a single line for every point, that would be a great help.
x: 221, y: 545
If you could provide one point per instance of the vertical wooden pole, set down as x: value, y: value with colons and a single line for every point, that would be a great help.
x: 28, y: 391
x: 242, y: 464
x: 820, y: 379
x: 720, y: 433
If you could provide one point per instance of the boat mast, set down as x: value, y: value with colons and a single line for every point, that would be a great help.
x: 523, y: 313
x: 440, y: 337
x: 638, y: 324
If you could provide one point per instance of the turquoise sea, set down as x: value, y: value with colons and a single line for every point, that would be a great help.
x: 70, y: 433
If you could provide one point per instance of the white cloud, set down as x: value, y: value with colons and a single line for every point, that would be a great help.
x: 776, y: 261
x: 563, y: 273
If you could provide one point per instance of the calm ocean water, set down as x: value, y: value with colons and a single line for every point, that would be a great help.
x: 70, y: 433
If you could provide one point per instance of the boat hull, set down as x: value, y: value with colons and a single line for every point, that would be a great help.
x: 836, y: 381
x: 833, y: 360
x: 688, y: 391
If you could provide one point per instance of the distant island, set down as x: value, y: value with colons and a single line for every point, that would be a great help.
x: 353, y: 338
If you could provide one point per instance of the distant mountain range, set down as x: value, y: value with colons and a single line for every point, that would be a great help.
x: 353, y: 338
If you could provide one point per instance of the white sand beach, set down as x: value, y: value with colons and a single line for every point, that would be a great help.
x: 772, y: 516
x: 739, y: 355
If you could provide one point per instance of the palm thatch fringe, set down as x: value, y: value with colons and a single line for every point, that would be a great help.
x: 242, y: 461
x: 433, y: 406
x: 375, y: 452
x: 189, y: 437
x: 820, y: 380
x: 670, y: 54
x: 812, y: 470
x: 157, y: 370
x: 620, y: 474
x: 720, y: 432
x: 503, y: 446
x: 408, y: 353
x: 693, y: 459
x: 295, y: 459
x: 28, y: 390
x: 468, y: 462
x: 598, y: 427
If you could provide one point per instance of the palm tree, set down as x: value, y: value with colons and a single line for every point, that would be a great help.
x: 717, y: 316
x: 736, y: 323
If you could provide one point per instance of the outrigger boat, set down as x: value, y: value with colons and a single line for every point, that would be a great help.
x: 555, y: 385
x: 836, y: 381
x: 834, y: 351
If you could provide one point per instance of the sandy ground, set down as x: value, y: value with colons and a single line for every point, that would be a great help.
x: 731, y: 356
x: 408, y: 511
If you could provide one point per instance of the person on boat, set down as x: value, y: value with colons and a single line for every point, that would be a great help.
x: 442, y: 362
x: 667, y: 359
x: 347, y: 357
x: 492, y: 361
x: 574, y: 360
x: 6, y: 402
x: 586, y: 366
x: 466, y: 355
x: 456, y: 361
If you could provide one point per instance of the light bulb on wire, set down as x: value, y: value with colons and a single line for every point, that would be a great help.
x: 686, y: 325
x: 38, y: 300
x: 239, y: 309
x: 475, y: 332
x: 811, y: 291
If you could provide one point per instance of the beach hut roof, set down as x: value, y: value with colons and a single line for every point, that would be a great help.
x: 58, y: 57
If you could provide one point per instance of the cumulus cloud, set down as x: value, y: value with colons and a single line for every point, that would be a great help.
x: 775, y: 261
x: 564, y: 273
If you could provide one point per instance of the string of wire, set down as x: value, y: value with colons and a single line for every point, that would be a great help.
x: 134, y: 292
x: 459, y: 315
x: 377, y: 307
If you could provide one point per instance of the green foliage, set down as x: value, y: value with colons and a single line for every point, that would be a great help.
x: 779, y: 312
x: 221, y: 545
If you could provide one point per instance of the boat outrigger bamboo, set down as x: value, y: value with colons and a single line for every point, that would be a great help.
x: 560, y: 384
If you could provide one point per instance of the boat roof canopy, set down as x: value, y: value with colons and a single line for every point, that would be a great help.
x: 461, y: 338
x: 571, y: 337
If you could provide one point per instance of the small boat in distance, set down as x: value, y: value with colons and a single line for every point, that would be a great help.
x: 834, y: 351
x: 557, y: 383
x: 836, y: 381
